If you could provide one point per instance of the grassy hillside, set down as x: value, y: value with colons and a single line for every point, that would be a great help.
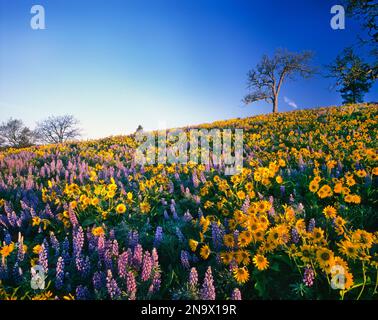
x: 299, y: 221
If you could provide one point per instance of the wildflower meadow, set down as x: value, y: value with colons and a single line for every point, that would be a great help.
x: 84, y: 220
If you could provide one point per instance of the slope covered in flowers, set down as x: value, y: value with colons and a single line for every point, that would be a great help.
x: 299, y: 222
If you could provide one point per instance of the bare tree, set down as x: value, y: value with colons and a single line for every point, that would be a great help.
x: 265, y: 81
x: 58, y: 129
x: 14, y: 134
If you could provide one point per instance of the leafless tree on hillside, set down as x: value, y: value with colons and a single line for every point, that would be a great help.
x: 58, y: 129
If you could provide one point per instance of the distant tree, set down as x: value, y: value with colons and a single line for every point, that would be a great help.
x: 58, y: 129
x: 140, y: 128
x: 265, y: 81
x: 14, y: 134
x: 351, y: 74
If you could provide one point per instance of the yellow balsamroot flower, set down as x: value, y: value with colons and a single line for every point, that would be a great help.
x: 325, y: 191
x: 258, y: 235
x: 36, y: 221
x: 37, y: 249
x: 317, y: 235
x: 226, y: 257
x: 330, y: 212
x: 361, y: 173
x: 375, y: 171
x: 249, y: 186
x: 245, y: 238
x: 306, y: 253
x: 129, y: 196
x: 205, y: 252
x: 73, y: 204
x: 98, y: 231
x: 121, y: 208
x: 260, y: 262
x: 356, y: 199
x: 241, y: 275
x: 95, y: 201
x: 349, y: 249
x: 339, y: 223
x: 228, y: 240
x: 7, y: 250
x: 193, y: 244
x: 145, y: 207
x: 241, y: 195
x: 325, y: 258
x: 314, y: 186
x: 363, y: 238
x: 279, y: 180
x: 338, y: 188
x: 110, y: 194
x: 246, y: 257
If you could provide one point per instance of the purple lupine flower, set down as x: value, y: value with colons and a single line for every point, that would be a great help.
x: 195, y: 179
x: 54, y: 243
x: 73, y: 218
x: 20, y: 251
x: 112, y: 286
x: 282, y: 190
x: 92, y: 240
x: 66, y: 250
x: 138, y: 256
x: 82, y: 293
x: 3, y: 271
x: 271, y: 212
x: 43, y: 258
x: 83, y: 265
x: 236, y: 294
x: 246, y: 204
x: 208, y: 289
x: 59, y: 273
x: 158, y: 236
x: 147, y: 266
x: 115, y: 248
x: 173, y: 210
x: 101, y: 246
x: 108, y: 259
x: 156, y: 282
x: 17, y: 273
x: 123, y: 261
x: 7, y: 239
x: 98, y: 280
x: 155, y: 258
x: 185, y: 259
x: 295, y: 235
x: 193, y: 277
x: 311, y: 225
x: 187, y: 216
x: 217, y: 235
x: 133, y: 238
x: 111, y: 235
x: 166, y: 216
x: 180, y: 235
x: 131, y: 285
x: 78, y: 241
x: 309, y: 276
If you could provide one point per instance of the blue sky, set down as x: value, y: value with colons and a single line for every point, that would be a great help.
x: 115, y: 64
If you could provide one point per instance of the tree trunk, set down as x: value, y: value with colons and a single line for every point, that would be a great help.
x: 275, y: 104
